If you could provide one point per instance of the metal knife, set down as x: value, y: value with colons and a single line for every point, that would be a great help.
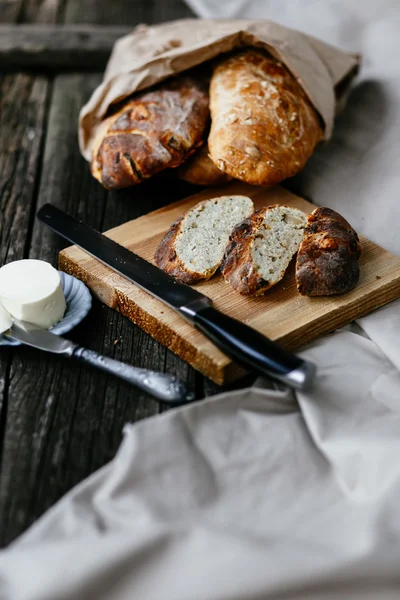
x: 165, y: 387
x: 239, y: 341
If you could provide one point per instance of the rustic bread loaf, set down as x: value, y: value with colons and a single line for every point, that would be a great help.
x: 153, y: 130
x: 263, y: 127
x: 261, y: 248
x: 195, y: 244
x: 201, y: 170
x: 327, y: 261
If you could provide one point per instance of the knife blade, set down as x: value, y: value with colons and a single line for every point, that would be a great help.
x: 162, y: 386
x: 237, y: 340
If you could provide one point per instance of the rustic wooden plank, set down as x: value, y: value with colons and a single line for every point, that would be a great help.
x: 41, y: 11
x: 29, y: 11
x: 64, y: 421
x: 22, y: 110
x: 10, y: 10
x: 57, y: 47
x: 125, y: 12
x: 71, y: 416
x: 283, y: 315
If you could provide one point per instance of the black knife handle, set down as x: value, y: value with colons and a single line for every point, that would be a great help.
x: 163, y: 386
x: 252, y: 349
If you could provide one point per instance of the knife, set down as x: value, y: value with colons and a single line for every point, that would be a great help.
x: 164, y: 387
x: 237, y: 340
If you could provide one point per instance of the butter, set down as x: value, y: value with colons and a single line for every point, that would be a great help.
x: 31, y: 291
x: 6, y: 320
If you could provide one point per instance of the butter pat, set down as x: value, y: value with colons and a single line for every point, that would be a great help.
x: 31, y: 291
x: 5, y: 320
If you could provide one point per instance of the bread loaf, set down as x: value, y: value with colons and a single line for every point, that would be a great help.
x: 153, y: 130
x: 327, y: 262
x: 201, y: 170
x: 261, y: 248
x: 263, y: 127
x: 195, y: 244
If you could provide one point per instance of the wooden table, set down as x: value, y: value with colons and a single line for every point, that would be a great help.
x: 60, y: 421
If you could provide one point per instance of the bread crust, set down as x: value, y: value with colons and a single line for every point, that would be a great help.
x: 327, y: 261
x: 264, y: 128
x: 201, y: 170
x: 237, y: 265
x: 167, y: 259
x: 153, y: 130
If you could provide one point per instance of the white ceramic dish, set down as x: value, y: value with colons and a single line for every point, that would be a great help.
x: 79, y: 302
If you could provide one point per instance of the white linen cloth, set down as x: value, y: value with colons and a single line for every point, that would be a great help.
x: 262, y: 493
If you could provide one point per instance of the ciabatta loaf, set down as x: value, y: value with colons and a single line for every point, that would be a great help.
x: 263, y: 127
x: 195, y: 244
x: 327, y: 262
x: 262, y: 247
x: 154, y: 130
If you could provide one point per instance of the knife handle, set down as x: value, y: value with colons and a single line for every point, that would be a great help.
x: 252, y: 349
x: 165, y: 387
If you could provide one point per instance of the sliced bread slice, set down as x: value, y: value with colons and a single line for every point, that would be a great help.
x: 262, y: 247
x: 194, y: 246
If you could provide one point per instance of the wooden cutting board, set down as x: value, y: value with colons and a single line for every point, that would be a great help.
x: 282, y: 314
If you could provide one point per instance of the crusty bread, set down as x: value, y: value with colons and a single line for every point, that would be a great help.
x: 153, y: 130
x: 201, y: 170
x: 327, y: 261
x: 195, y: 244
x: 261, y: 248
x: 263, y: 127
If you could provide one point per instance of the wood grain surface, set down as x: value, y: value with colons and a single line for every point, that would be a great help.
x: 22, y: 110
x: 282, y: 314
x: 59, y: 422
x: 57, y: 47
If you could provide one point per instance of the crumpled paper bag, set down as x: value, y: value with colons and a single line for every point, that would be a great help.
x: 151, y: 54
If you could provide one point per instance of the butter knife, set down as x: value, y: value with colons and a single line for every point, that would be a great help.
x: 162, y: 386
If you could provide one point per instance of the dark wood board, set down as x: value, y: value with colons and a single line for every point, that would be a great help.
x: 22, y: 112
x: 127, y: 12
x: 75, y: 415
x: 41, y: 11
x: 10, y: 10
x: 31, y: 11
x: 57, y: 47
x: 60, y: 422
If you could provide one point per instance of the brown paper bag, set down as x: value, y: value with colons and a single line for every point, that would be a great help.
x: 150, y: 54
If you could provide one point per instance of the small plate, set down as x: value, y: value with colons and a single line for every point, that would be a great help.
x: 79, y: 302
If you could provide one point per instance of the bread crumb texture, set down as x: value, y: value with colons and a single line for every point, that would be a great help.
x: 205, y: 231
x: 194, y: 246
x: 276, y: 241
x: 262, y: 247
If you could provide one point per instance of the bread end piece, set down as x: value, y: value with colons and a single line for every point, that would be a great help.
x: 327, y: 261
